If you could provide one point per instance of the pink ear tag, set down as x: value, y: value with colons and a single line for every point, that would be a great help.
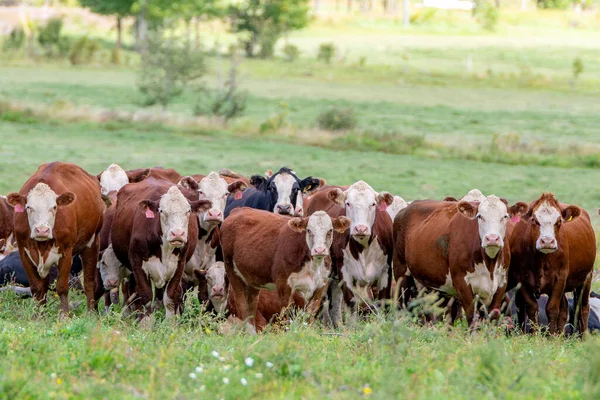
x: 19, y: 208
x: 149, y: 214
x: 515, y: 218
x: 383, y: 206
x: 238, y: 195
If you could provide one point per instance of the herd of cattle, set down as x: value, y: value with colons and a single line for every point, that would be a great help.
x: 254, y: 247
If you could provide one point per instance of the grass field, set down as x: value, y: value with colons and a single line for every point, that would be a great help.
x: 511, y: 126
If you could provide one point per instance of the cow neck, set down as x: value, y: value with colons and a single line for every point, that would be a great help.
x: 356, y: 248
x: 206, y: 235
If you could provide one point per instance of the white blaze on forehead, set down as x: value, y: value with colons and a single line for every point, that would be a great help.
x: 113, y: 178
x: 214, y: 188
x: 319, y: 231
x: 547, y: 216
x: 361, y: 198
x: 174, y: 211
x: 493, y: 213
x: 474, y: 195
x: 397, y: 205
x: 41, y: 203
x: 284, y: 183
x: 484, y: 284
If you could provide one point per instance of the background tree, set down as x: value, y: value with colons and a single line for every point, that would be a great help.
x: 118, y: 8
x: 265, y: 21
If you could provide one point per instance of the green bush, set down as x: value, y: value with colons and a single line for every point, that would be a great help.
x: 337, y: 119
x: 326, y: 52
x: 487, y: 14
x: 83, y: 50
x: 49, y: 36
x: 554, y: 4
x: 267, y: 41
x: 276, y: 121
x: 15, y: 40
x: 423, y: 16
x: 291, y: 52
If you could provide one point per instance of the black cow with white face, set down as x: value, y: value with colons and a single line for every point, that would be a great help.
x: 277, y: 193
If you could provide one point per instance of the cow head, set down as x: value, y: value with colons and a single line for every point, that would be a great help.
x: 113, y: 178
x: 41, y: 205
x: 397, y: 205
x: 492, y: 215
x: 473, y: 195
x: 109, y: 267
x: 546, y: 218
x: 361, y: 203
x: 174, y: 210
x: 214, y: 188
x: 309, y: 186
x: 216, y: 284
x: 319, y: 229
x: 283, y: 189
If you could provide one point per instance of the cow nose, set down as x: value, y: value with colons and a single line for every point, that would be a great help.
x: 548, y: 242
x: 177, y: 233
x: 42, y: 231
x: 284, y: 209
x: 320, y: 251
x: 492, y: 240
x: 111, y: 283
x: 361, y: 230
x: 215, y: 214
x: 299, y: 212
x: 218, y: 291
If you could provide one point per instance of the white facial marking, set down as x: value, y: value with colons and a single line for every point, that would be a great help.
x: 214, y: 188
x: 215, y: 282
x: 474, y: 195
x: 484, y: 285
x: 112, y: 271
x: 547, y: 216
x: 313, y: 276
x: 319, y: 234
x: 448, y: 286
x: 113, y: 178
x: 43, y: 266
x: 284, y: 183
x: 175, y: 211
x: 492, y: 217
x: 370, y: 269
x: 361, y: 204
x: 397, y: 205
x: 41, y: 210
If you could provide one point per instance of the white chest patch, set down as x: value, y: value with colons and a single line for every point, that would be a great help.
x: 371, y: 267
x: 448, y: 287
x: 161, y: 273
x: 484, y: 285
x: 309, y: 279
x: 43, y: 266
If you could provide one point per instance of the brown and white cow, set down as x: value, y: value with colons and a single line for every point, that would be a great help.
x: 154, y: 234
x: 397, y: 205
x: 553, y: 252
x: 6, y: 227
x: 58, y: 214
x: 266, y: 250
x: 214, y: 188
x: 458, y: 249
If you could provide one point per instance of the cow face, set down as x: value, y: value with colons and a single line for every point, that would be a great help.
x: 41, y: 205
x: 546, y: 218
x: 216, y: 282
x: 319, y: 229
x: 397, y: 205
x: 113, y: 178
x: 492, y: 215
x: 361, y: 203
x: 174, y: 210
x: 109, y: 267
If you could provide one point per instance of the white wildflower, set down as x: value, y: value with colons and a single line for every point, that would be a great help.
x: 199, y: 369
x: 249, y: 361
x: 244, y: 381
x: 192, y: 375
x: 269, y: 364
x: 215, y: 354
x: 226, y: 381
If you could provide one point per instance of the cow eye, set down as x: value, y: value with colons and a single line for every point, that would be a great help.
x: 309, y: 231
x: 347, y: 204
x: 479, y: 217
x: 506, y: 216
x: 373, y: 205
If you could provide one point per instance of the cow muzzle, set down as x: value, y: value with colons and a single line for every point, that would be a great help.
x: 547, y: 245
x: 177, y: 238
x: 218, y: 292
x: 283, y: 209
x: 319, y: 252
x: 214, y: 216
x: 42, y: 233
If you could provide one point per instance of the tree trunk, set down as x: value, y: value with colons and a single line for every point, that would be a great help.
x: 119, y: 32
x: 143, y: 27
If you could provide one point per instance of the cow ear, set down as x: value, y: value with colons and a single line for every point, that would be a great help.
x: 99, y: 176
x: 107, y: 200
x: 148, y: 205
x: 200, y: 205
x: 137, y: 175
x: 200, y: 275
x: 341, y: 224
x: 298, y: 224
x: 15, y: 199
x: 504, y: 201
x: 468, y: 209
x: 571, y: 212
x: 337, y: 196
x: 519, y: 208
x: 65, y: 199
x: 236, y: 186
x: 385, y: 197
x: 310, y: 184
x: 269, y: 173
x: 189, y: 183
x: 450, y: 198
x: 259, y: 182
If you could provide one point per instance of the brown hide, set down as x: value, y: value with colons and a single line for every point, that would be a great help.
x: 6, y: 226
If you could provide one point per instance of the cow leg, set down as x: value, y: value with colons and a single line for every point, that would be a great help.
x: 39, y: 286
x: 99, y: 291
x: 173, y: 293
x: 252, y: 299
x: 315, y: 303
x: 335, y: 306
x: 89, y: 261
x: 553, y: 305
x: 581, y: 302
x: 239, y: 288
x: 143, y: 288
x: 62, y: 283
x: 465, y: 296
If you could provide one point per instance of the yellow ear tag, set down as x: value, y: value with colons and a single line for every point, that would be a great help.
x: 570, y: 218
